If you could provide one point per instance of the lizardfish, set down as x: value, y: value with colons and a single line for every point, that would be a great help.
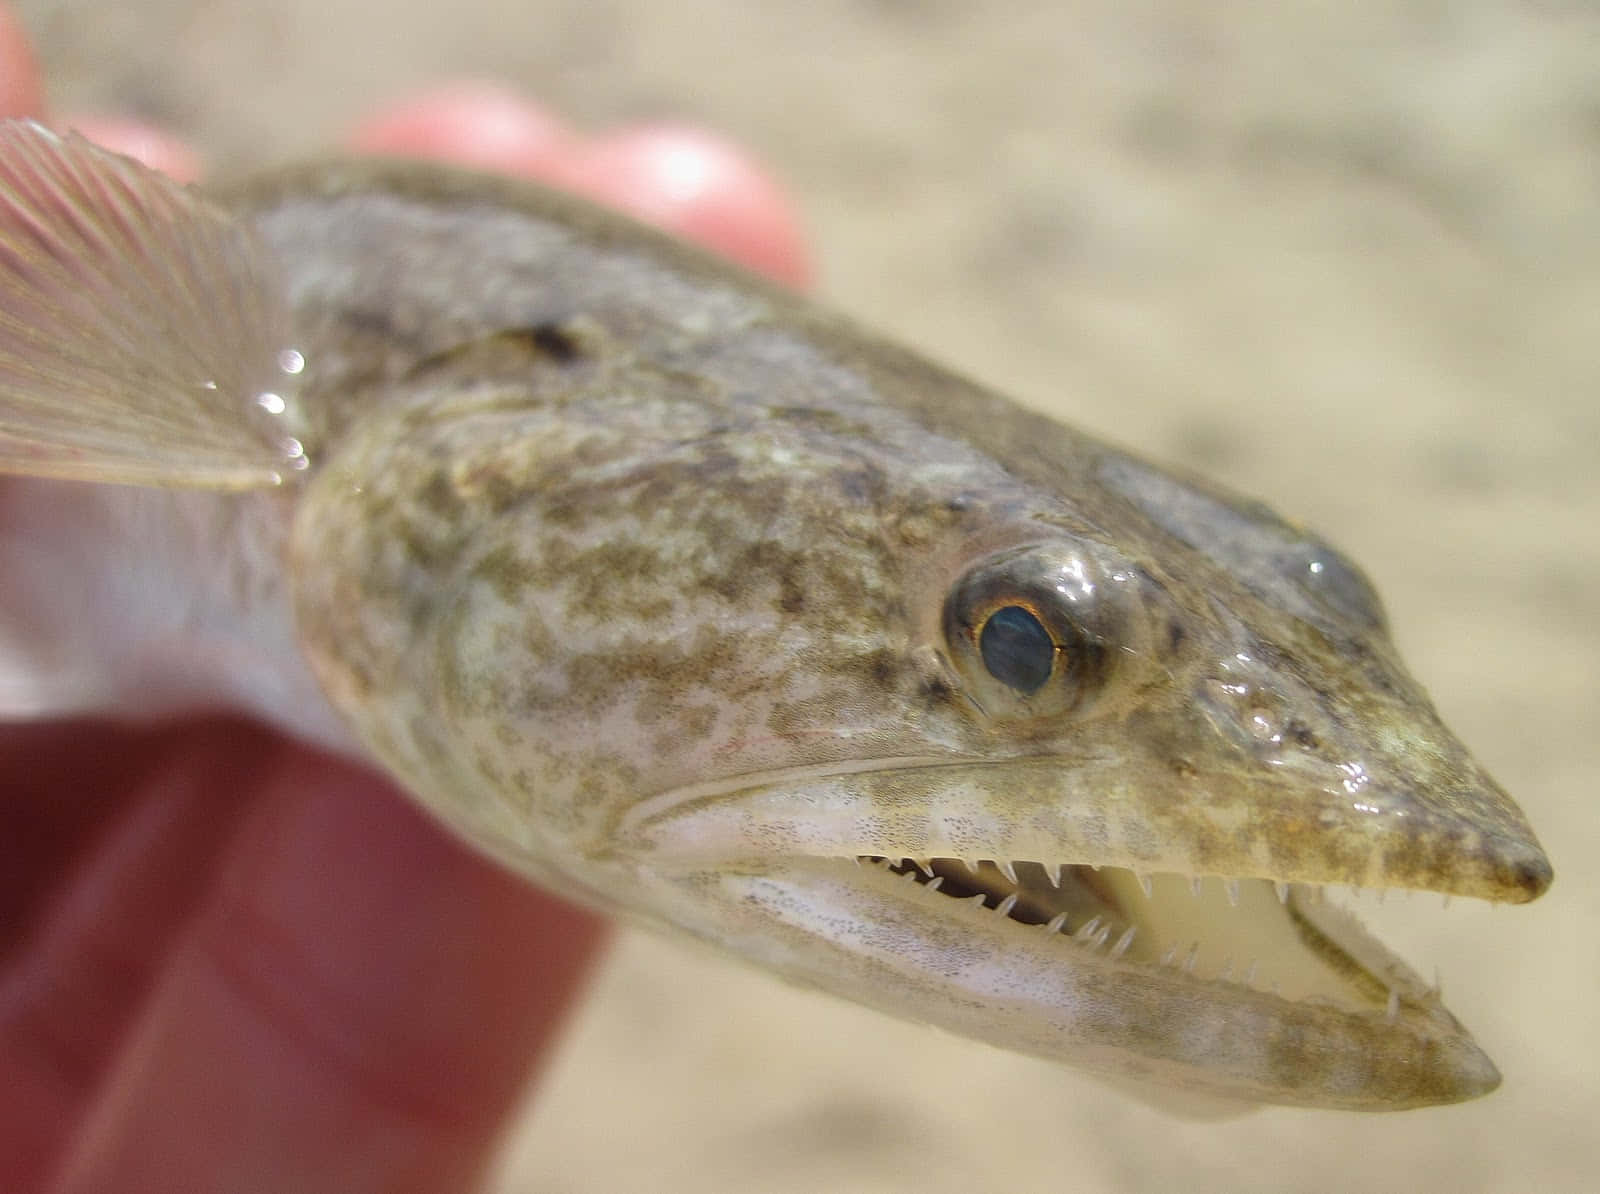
x: 694, y: 602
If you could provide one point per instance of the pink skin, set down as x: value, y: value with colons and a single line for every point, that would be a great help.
x: 230, y: 963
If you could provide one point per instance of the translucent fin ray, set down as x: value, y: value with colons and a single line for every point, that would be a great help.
x: 144, y: 335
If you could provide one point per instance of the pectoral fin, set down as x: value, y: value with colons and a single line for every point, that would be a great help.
x: 144, y: 335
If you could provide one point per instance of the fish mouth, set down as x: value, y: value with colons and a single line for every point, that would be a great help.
x: 1248, y: 990
x: 1279, y: 938
x: 1248, y: 987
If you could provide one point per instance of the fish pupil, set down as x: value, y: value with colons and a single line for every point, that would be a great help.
x: 1017, y: 649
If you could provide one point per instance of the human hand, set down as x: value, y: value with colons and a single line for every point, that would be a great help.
x: 229, y: 962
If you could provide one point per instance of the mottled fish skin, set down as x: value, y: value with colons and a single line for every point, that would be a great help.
x: 670, y: 590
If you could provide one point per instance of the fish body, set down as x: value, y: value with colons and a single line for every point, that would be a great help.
x: 693, y: 601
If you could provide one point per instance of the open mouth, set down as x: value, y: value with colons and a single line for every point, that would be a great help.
x: 1248, y: 987
x: 1278, y: 938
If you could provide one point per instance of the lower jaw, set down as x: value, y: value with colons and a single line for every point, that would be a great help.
x: 1327, y: 1018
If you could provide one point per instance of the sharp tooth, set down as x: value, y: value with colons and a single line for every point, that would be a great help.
x: 1121, y: 947
x: 1282, y: 889
x: 1053, y: 925
x: 1168, y: 954
x: 1145, y: 884
x: 1194, y: 885
x: 1100, y: 937
x: 935, y: 883
x: 910, y: 875
x: 1005, y: 906
x: 1088, y: 930
x: 925, y: 866
x: 1392, y: 1011
x: 976, y: 901
x: 1007, y: 869
x: 856, y: 858
x: 1231, y: 886
x: 972, y: 864
x: 1053, y: 873
x: 1191, y: 958
x: 1226, y: 974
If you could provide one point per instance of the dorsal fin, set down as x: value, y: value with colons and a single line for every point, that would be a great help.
x: 144, y: 335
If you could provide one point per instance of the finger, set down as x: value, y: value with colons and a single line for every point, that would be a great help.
x: 690, y: 183
x: 51, y: 811
x: 87, y: 959
x: 699, y: 187
x: 357, y: 1012
x: 156, y: 149
x: 478, y: 125
x: 68, y: 787
x: 21, y: 93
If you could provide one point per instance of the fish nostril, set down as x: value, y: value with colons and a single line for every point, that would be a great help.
x: 1302, y: 735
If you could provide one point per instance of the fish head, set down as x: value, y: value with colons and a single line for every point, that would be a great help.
x: 1063, y: 769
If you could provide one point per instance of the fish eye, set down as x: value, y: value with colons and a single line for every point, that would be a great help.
x: 1044, y: 630
x: 1341, y: 586
x: 1017, y: 649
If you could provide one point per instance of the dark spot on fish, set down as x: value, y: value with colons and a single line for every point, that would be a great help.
x: 860, y: 485
x: 1303, y: 735
x: 884, y: 668
x: 820, y: 419
x: 937, y: 690
x: 500, y: 492
x: 698, y: 721
x: 1531, y: 875
x: 758, y: 561
x: 507, y: 352
x: 507, y: 571
x: 439, y: 497
x: 378, y: 323
x: 553, y: 340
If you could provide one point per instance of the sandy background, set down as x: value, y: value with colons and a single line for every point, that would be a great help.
x: 1342, y: 256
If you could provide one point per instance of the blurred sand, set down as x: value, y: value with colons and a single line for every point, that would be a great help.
x: 1341, y: 256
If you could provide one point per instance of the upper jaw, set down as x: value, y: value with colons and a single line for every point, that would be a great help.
x: 1098, y: 810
